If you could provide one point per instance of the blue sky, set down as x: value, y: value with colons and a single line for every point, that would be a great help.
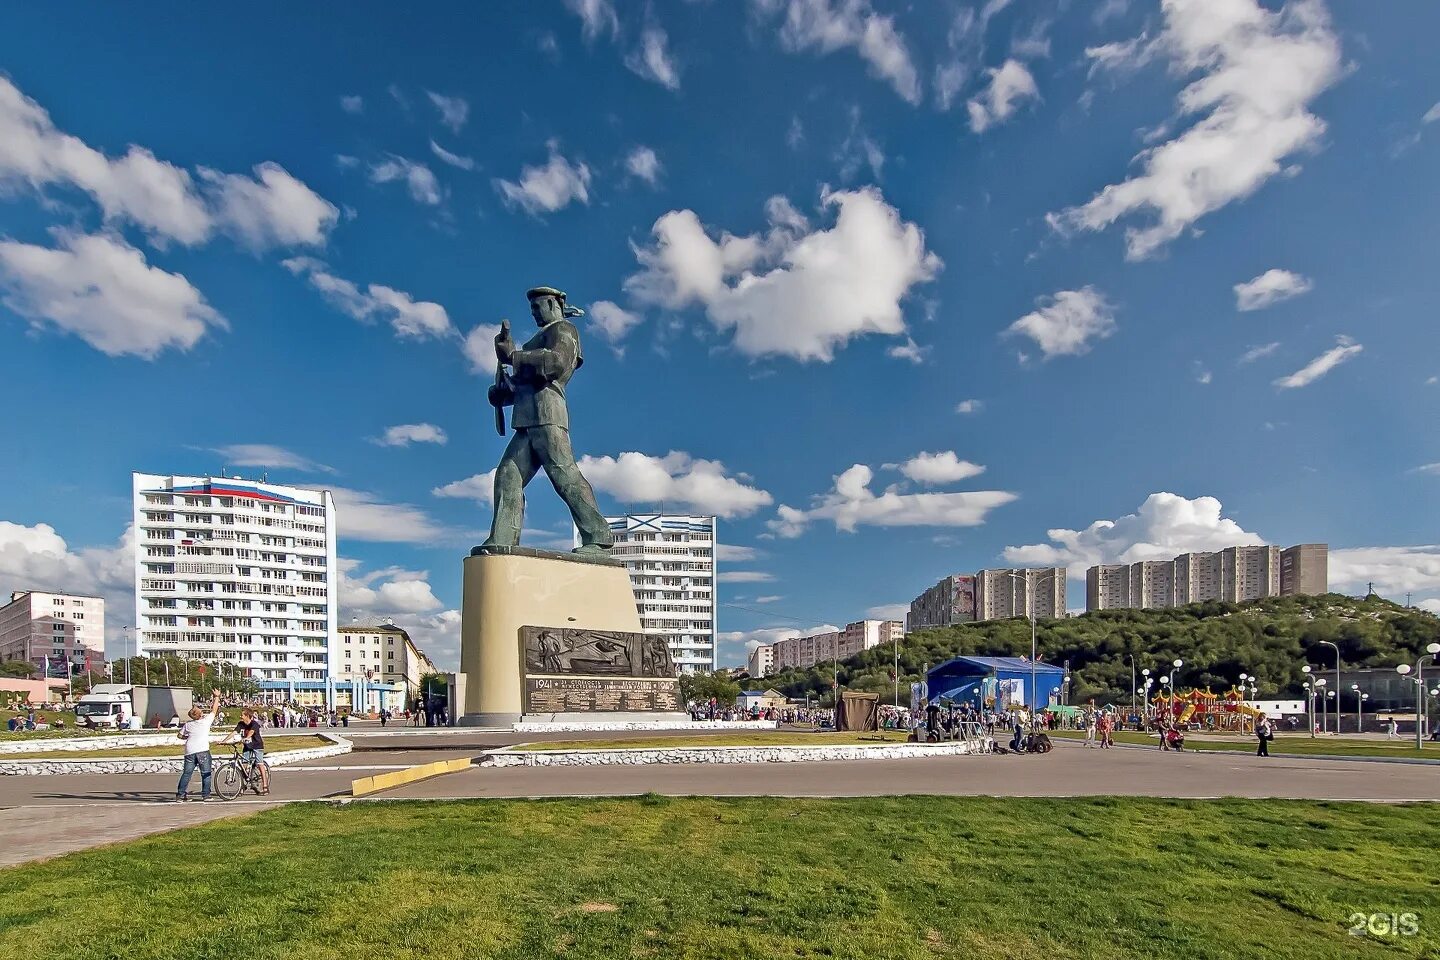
x: 1166, y: 265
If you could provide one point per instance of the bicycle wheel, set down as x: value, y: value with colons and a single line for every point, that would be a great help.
x: 229, y: 780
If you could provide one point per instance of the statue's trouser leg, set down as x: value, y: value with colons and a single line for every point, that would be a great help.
x: 517, y: 468
x: 553, y: 446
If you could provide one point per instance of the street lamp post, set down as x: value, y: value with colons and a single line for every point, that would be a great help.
x: 1310, y: 693
x: 1419, y: 680
x: 1327, y: 643
x: 1359, y: 708
x: 1176, y: 674
x: 1324, y: 710
x: 1131, y: 658
x: 1030, y: 591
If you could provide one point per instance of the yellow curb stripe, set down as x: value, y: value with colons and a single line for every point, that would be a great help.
x: 399, y: 778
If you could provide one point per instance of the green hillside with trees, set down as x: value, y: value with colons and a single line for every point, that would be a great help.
x: 1271, y: 639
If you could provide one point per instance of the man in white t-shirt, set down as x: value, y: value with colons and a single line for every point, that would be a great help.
x: 196, y: 735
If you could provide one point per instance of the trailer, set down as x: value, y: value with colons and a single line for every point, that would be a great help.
x: 111, y: 705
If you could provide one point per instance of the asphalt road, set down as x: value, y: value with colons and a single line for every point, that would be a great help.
x: 53, y: 815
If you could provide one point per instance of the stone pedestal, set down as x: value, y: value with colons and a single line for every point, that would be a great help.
x: 522, y: 587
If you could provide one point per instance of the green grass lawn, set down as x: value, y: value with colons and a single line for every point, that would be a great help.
x: 911, y: 877
x: 272, y: 745
x: 1297, y: 744
x: 759, y: 739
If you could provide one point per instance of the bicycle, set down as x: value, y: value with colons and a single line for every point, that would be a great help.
x: 236, y: 774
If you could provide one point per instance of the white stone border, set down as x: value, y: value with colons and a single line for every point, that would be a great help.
x: 783, y: 753
x: 34, y: 768
x: 586, y: 726
x: 103, y: 742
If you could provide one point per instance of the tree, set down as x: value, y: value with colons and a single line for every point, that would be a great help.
x: 702, y: 687
x: 1270, y: 638
x: 22, y: 669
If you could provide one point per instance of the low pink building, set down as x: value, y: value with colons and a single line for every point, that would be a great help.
x: 33, y: 691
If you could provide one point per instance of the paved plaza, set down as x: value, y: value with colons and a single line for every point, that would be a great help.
x: 49, y: 816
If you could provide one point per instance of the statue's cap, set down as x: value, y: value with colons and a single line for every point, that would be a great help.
x: 537, y: 292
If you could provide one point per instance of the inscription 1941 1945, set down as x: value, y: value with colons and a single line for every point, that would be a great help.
x: 570, y: 670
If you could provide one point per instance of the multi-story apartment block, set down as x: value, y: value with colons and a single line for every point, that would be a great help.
x: 989, y: 595
x: 1152, y: 583
x: 60, y: 631
x: 1107, y: 586
x: 761, y: 662
x: 1249, y: 573
x: 949, y: 602
x: 671, y: 562
x: 383, y: 653
x: 805, y: 652
x: 1019, y: 593
x: 236, y: 570
x: 1304, y: 568
x: 1197, y: 578
x: 1233, y: 574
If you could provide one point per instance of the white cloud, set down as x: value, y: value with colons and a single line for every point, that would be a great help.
x: 730, y: 553
x: 969, y: 406
x: 851, y: 504
x: 101, y: 289
x: 268, y: 455
x: 479, y: 348
x: 1430, y: 468
x: 643, y: 163
x: 454, y: 159
x: 653, y: 60
x: 353, y: 104
x: 38, y: 558
x: 272, y: 210
x: 909, y: 350
x: 410, y: 318
x: 1009, y: 86
x: 406, y: 599
x: 549, y: 188
x: 612, y: 320
x: 454, y: 111
x: 1259, y: 73
x: 1065, y: 324
x: 1272, y: 286
x: 1344, y: 349
x: 418, y: 178
x: 404, y: 434
x: 1202, y: 375
x: 161, y: 198
x: 1430, y: 605
x: 597, y: 17
x: 1393, y: 570
x: 1165, y: 526
x: 937, y: 468
x: 792, y: 291
x: 769, y: 598
x: 1431, y: 115
x: 363, y: 516
x: 859, y: 150
x: 674, y: 479
x: 1255, y: 353
x: 745, y: 576
x: 830, y: 25
x: 384, y: 592
x: 888, y: 611
x: 743, y: 641
x: 480, y: 488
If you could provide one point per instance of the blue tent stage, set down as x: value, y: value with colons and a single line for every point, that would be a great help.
x: 1006, y: 679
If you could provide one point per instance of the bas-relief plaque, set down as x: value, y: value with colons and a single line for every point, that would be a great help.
x: 566, y: 670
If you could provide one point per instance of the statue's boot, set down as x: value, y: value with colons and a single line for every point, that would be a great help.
x: 591, y: 550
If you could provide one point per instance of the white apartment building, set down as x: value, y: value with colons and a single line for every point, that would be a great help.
x: 1234, y: 575
x: 382, y: 653
x: 61, y: 631
x: 236, y: 570
x: 1152, y: 583
x: 671, y: 562
x: 1008, y: 593
x: 1107, y: 586
x: 805, y: 652
x: 761, y: 662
